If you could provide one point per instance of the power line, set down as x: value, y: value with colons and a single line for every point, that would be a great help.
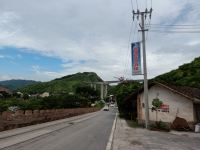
x: 174, y: 31
x: 132, y: 4
x: 166, y: 25
x: 146, y: 4
x: 173, y: 27
x: 126, y: 55
x: 137, y: 4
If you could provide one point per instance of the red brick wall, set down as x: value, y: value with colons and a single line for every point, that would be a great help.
x: 10, y: 120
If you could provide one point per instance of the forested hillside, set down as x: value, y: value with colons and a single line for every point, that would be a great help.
x: 185, y: 75
x: 16, y: 84
x: 65, y: 84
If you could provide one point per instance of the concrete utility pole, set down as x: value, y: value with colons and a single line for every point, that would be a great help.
x: 106, y: 90
x: 102, y: 91
x: 143, y: 30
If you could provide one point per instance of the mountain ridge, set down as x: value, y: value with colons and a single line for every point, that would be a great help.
x: 15, y: 84
x: 64, y: 84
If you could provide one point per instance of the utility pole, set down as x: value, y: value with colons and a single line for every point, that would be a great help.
x: 102, y: 91
x: 143, y: 30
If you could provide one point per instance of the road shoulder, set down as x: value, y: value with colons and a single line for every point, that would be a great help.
x: 129, y: 138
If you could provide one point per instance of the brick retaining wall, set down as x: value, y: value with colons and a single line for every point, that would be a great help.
x: 20, y: 118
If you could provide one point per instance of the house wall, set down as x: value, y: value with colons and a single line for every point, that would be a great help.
x: 178, y: 105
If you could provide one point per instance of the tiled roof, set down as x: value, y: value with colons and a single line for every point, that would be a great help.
x: 188, y: 92
x: 184, y: 90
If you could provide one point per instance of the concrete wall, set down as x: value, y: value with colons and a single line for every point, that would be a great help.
x: 10, y: 120
x: 178, y: 105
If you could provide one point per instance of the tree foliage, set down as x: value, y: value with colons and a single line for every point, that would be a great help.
x: 121, y: 92
x: 51, y: 102
x: 62, y: 85
x: 157, y: 103
x: 88, y: 92
x: 185, y: 75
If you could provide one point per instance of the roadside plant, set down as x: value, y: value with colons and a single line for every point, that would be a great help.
x: 156, y: 105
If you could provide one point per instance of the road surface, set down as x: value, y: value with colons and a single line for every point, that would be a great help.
x: 88, y: 132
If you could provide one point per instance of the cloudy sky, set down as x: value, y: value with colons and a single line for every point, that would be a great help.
x: 46, y: 39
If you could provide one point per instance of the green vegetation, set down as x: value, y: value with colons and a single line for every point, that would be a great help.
x: 87, y: 92
x: 185, y: 75
x: 132, y: 123
x: 99, y: 104
x: 52, y: 102
x: 71, y: 91
x: 121, y: 91
x: 16, y: 84
x: 65, y: 84
x: 156, y: 105
x: 160, y: 126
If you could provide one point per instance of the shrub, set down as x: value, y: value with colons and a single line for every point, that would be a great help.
x: 160, y: 126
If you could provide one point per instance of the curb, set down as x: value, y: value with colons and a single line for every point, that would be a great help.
x: 110, y: 141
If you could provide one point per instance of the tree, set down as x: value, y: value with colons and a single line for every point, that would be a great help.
x: 25, y: 96
x: 87, y: 92
x: 156, y: 105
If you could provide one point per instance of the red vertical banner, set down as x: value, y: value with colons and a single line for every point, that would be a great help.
x: 136, y: 59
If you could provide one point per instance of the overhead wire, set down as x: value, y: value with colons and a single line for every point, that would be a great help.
x: 175, y: 28
x: 149, y: 24
x: 132, y: 32
x: 129, y: 54
x: 176, y: 25
x: 160, y: 31
x: 132, y: 4
x: 137, y: 4
x: 128, y: 45
x: 128, y: 49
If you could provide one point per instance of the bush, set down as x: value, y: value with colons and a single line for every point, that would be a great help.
x: 161, y: 126
x: 51, y: 102
x: 100, y: 104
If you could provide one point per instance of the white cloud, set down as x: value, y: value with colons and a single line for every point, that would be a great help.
x: 2, y: 56
x: 193, y: 43
x: 96, y: 32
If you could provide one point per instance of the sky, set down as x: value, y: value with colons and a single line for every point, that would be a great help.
x: 46, y: 39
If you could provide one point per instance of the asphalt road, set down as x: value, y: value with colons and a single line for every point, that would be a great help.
x: 88, y: 133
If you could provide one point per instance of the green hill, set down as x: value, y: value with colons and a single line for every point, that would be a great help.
x: 16, y: 84
x: 65, y: 84
x: 185, y: 75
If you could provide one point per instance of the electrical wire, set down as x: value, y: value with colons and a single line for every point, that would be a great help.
x: 132, y: 4
x: 137, y: 4
x: 146, y: 3
x: 173, y: 27
x: 128, y: 49
x: 169, y: 25
x: 174, y: 31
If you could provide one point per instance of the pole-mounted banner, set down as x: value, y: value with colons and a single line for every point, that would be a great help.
x: 136, y: 59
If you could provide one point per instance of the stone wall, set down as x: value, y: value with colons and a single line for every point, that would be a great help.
x: 20, y: 118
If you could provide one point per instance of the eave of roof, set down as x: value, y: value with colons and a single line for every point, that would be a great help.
x: 169, y: 87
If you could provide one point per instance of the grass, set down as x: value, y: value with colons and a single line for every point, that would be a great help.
x: 132, y: 123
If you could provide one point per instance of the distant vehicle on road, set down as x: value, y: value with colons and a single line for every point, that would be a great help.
x: 106, y: 108
x: 112, y: 105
